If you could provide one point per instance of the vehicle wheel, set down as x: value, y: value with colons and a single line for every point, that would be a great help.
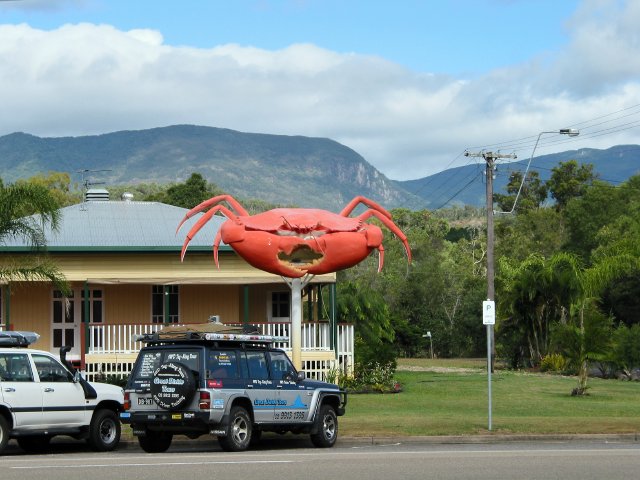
x: 326, y: 427
x: 104, y: 431
x: 238, y: 433
x: 182, y: 385
x: 156, y: 443
x: 34, y: 444
x: 4, y: 433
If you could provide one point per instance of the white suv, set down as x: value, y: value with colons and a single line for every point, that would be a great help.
x: 40, y: 397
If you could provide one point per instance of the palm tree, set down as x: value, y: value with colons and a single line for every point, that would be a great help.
x: 586, y: 336
x: 25, y: 209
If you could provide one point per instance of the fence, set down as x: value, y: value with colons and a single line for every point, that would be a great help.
x: 112, y: 349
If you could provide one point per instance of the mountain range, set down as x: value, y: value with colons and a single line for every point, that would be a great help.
x: 285, y: 170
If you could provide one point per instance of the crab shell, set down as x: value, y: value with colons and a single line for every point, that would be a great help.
x: 296, y: 242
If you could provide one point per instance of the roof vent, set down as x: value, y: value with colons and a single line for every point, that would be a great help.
x: 127, y: 197
x: 96, y: 195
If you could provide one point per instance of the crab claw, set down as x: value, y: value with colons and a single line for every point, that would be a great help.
x: 212, y: 201
x: 391, y: 226
x: 200, y: 223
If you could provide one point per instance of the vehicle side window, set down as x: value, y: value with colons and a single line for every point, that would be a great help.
x: 146, y: 365
x: 223, y: 364
x: 244, y: 369
x: 257, y: 362
x: 15, y: 367
x: 49, y: 370
x: 281, y: 367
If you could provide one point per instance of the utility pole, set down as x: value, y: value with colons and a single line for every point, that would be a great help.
x: 490, y: 159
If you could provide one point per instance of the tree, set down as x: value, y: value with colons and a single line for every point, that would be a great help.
x: 626, y: 349
x: 540, y: 231
x: 192, y: 192
x: 586, y: 336
x: 18, y: 204
x: 532, y: 193
x: 569, y: 180
x: 604, y: 218
x: 59, y: 186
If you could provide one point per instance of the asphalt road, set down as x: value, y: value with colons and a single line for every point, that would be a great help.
x: 294, y: 459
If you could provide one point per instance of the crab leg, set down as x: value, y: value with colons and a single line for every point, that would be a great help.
x: 390, y: 225
x: 207, y: 203
x: 200, y: 223
x: 346, y: 211
x: 380, y: 258
x: 216, y: 245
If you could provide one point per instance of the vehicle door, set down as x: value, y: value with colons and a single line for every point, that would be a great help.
x: 19, y: 390
x: 63, y: 399
x: 260, y: 387
x: 292, y: 401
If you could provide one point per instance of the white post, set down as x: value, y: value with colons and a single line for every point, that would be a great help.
x: 296, y: 322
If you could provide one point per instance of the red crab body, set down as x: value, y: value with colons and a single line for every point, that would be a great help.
x: 293, y: 242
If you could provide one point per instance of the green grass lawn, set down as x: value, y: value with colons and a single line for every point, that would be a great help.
x: 455, y: 403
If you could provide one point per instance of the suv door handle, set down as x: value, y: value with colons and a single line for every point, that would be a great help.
x: 9, y: 389
x: 49, y: 389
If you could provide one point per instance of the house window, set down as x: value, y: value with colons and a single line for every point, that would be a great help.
x: 96, y: 304
x: 158, y: 303
x: 280, y: 306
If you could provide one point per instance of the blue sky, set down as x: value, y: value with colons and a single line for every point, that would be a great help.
x: 452, y: 36
x: 408, y: 84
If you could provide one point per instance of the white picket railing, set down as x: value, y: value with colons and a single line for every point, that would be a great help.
x: 113, y: 340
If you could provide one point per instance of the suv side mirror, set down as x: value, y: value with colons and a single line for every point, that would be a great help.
x: 301, y: 376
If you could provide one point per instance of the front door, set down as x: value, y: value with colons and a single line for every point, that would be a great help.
x: 68, y: 314
x: 63, y: 399
x: 65, y: 324
x: 260, y: 386
x: 292, y: 402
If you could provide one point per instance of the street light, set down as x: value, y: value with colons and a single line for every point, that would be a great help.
x: 571, y: 132
x: 428, y: 334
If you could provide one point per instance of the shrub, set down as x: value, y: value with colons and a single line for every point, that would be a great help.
x: 554, y: 363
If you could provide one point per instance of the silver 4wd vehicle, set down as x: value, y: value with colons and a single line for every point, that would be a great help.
x: 40, y: 397
x: 210, y: 380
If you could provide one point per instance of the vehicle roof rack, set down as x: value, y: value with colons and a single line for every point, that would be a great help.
x: 208, y: 332
x: 13, y: 338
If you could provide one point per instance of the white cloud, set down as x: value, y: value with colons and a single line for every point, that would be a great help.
x: 88, y: 79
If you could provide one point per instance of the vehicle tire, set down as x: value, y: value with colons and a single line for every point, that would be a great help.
x: 104, y: 431
x: 4, y: 433
x: 156, y: 443
x: 238, y: 432
x: 35, y: 443
x: 325, y: 428
x: 182, y: 385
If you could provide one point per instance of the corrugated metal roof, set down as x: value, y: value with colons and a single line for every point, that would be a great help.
x: 123, y: 225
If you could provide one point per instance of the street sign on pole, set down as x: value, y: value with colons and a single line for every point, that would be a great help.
x: 489, y: 312
x: 489, y: 319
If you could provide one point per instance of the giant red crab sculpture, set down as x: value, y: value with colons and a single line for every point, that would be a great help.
x: 293, y: 242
